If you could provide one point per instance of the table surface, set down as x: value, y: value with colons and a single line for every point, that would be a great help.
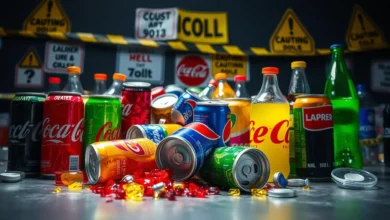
x: 34, y: 199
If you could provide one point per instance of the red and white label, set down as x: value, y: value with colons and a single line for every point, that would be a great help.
x: 192, y: 70
x: 318, y: 118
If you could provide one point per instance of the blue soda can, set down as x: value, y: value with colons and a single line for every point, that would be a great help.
x: 216, y: 115
x: 174, y: 89
x: 153, y: 132
x: 185, y: 150
x: 183, y: 111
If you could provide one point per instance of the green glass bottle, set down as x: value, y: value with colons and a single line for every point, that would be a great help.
x: 341, y: 90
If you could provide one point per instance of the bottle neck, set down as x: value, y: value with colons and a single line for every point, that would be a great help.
x: 298, y: 83
x: 338, y: 62
x: 270, y: 92
x: 240, y: 85
x: 73, y: 77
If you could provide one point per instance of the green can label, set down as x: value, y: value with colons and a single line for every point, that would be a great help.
x: 29, y: 98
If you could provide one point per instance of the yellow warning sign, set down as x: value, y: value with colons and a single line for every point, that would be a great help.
x: 48, y: 16
x: 291, y: 37
x: 30, y: 59
x: 363, y: 33
x: 231, y: 65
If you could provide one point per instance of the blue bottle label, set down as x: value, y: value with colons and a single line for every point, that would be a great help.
x: 367, y: 124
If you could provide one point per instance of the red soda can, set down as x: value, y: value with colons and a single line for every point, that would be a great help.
x: 62, y: 132
x: 157, y: 91
x: 136, y: 104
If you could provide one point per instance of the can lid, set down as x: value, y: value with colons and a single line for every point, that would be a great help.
x: 212, y: 103
x: 22, y: 174
x: 280, y: 180
x: 30, y: 94
x: 64, y: 93
x: 164, y: 101
x: 137, y: 84
x: 135, y: 131
x: 296, y: 182
x: 92, y: 164
x: 10, y: 177
x: 103, y: 96
x: 282, y: 193
x: 353, y: 178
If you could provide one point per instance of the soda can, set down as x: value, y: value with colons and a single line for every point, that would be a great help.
x: 174, y: 89
x: 240, y: 116
x: 157, y: 91
x: 103, y: 115
x: 236, y: 167
x: 216, y: 115
x: 162, y: 108
x: 313, y: 132
x: 112, y: 160
x: 183, y: 111
x: 195, y: 90
x: 136, y: 100
x: 185, y: 151
x: 153, y: 132
x: 25, y: 129
x: 62, y: 133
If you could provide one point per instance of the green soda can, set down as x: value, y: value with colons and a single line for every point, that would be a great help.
x: 195, y: 90
x: 103, y: 115
x: 236, y: 167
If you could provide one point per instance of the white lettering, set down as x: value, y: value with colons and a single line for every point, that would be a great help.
x: 318, y: 117
x: 126, y: 110
x: 198, y: 71
x: 57, y: 132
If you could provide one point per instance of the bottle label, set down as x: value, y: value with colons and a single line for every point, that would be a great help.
x: 367, y: 124
x: 317, y: 118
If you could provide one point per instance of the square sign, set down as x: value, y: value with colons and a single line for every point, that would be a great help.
x: 192, y: 70
x: 60, y: 55
x: 158, y: 24
x: 28, y: 72
x: 380, y: 76
x: 145, y: 66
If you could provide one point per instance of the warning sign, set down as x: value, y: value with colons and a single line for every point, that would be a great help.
x: 28, y: 71
x: 203, y: 27
x: 363, y: 33
x: 231, y: 65
x: 159, y: 24
x: 291, y: 37
x: 48, y: 16
x: 380, y: 75
x: 58, y: 56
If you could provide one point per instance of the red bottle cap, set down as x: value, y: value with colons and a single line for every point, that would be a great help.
x: 270, y: 70
x: 54, y: 80
x: 100, y: 76
x: 213, y: 82
x: 239, y: 78
x: 157, y: 91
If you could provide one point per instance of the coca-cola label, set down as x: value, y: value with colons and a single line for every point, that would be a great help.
x: 192, y: 70
x: 56, y: 133
x: 108, y: 133
x: 130, y: 146
x: 17, y: 133
x: 126, y: 109
x: 317, y: 118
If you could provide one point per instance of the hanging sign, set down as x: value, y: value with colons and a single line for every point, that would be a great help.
x: 60, y: 55
x: 145, y: 66
x: 157, y: 24
x: 48, y: 16
x: 363, y: 33
x: 28, y: 72
x: 203, y: 27
x: 192, y: 70
x: 380, y: 76
x: 291, y: 37
x: 231, y: 65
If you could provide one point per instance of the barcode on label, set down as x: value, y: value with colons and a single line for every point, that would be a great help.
x: 73, y: 163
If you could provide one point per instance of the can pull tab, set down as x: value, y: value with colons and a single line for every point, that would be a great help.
x: 249, y: 170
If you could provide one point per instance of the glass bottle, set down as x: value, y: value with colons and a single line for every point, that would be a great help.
x: 223, y: 88
x: 74, y: 84
x: 116, y: 86
x: 209, y: 90
x: 240, y: 88
x: 100, y: 83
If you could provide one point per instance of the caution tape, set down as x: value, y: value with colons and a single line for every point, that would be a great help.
x: 6, y: 96
x: 370, y: 142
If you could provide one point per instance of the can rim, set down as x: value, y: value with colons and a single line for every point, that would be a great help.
x: 137, y: 84
x: 167, y: 94
x: 311, y: 96
x: 103, y: 96
x: 64, y: 93
x: 238, y: 99
x: 132, y: 129
x: 212, y: 103
x: 195, y: 95
x: 266, y: 169
x: 93, y: 178
x: 30, y: 94
x: 282, y: 193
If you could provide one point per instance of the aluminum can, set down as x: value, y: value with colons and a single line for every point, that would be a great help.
x: 240, y: 116
x: 62, y: 133
x: 153, y: 132
x: 236, y: 167
x: 183, y: 110
x: 24, y: 135
x: 136, y: 100
x: 162, y: 108
x: 157, y: 91
x: 216, y: 115
x: 112, y: 160
x: 185, y: 151
x: 174, y: 89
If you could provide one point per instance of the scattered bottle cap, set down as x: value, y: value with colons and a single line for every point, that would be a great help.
x: 10, y: 177
x: 280, y: 180
x: 296, y: 182
x: 350, y: 178
x: 22, y: 174
x: 282, y: 193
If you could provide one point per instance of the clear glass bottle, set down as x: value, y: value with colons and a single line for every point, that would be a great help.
x: 116, y: 86
x: 74, y: 84
x: 223, y: 88
x: 240, y: 88
x: 54, y: 84
x: 100, y: 83
x: 209, y: 90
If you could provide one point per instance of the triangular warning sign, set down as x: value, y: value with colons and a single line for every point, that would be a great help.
x: 30, y: 60
x: 291, y: 37
x: 48, y: 16
x: 363, y: 33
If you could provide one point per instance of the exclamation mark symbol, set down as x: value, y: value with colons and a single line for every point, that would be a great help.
x: 360, y: 17
x: 30, y: 60
x: 291, y: 25
x: 49, y: 7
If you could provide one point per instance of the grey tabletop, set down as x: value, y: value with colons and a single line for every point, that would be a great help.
x: 34, y: 199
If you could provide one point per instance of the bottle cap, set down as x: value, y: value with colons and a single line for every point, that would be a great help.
x: 100, y: 76
x: 353, y: 178
x: 213, y: 82
x: 239, y: 78
x: 22, y: 174
x: 280, y: 180
x: 74, y: 70
x: 270, y: 70
x: 54, y: 80
x: 119, y: 76
x: 298, y: 64
x: 10, y: 177
x: 337, y: 45
x: 219, y: 76
x: 282, y: 193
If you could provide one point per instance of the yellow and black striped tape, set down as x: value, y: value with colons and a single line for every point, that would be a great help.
x: 370, y: 142
x: 171, y: 45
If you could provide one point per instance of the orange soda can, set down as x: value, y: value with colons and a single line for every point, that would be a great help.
x: 162, y: 107
x: 112, y: 160
x: 153, y: 132
x: 240, y: 115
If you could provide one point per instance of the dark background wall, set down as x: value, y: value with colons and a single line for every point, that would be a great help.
x: 251, y: 23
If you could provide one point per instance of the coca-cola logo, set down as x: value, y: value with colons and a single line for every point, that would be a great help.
x: 192, y: 70
x: 106, y: 133
x: 57, y: 133
x: 317, y: 118
x: 130, y: 145
x: 262, y: 132
x: 126, y: 110
x: 19, y: 132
